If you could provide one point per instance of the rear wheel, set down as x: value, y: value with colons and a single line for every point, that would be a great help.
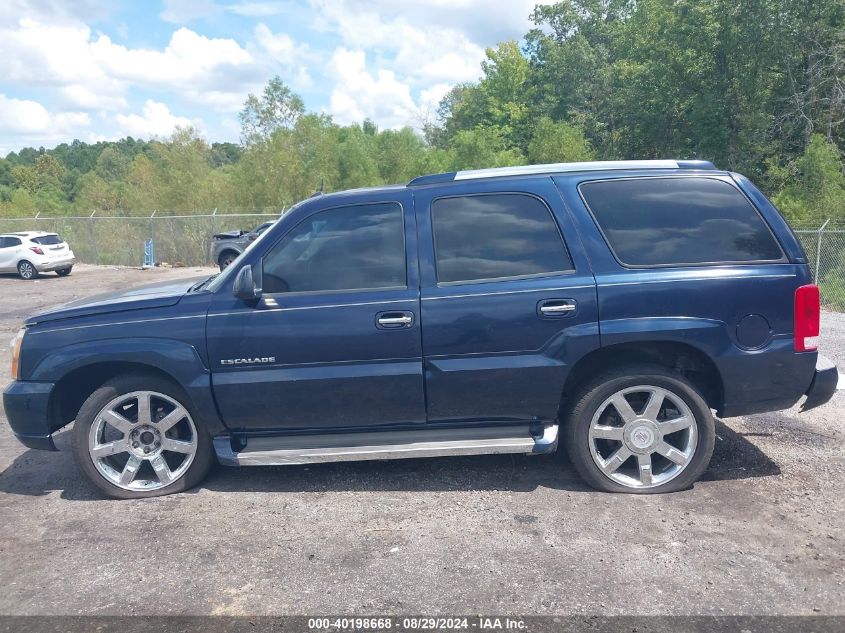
x: 64, y: 272
x: 27, y: 270
x: 643, y: 429
x: 136, y: 437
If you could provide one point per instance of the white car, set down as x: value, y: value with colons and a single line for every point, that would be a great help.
x: 32, y: 252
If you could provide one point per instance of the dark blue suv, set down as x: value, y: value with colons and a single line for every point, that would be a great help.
x: 609, y: 307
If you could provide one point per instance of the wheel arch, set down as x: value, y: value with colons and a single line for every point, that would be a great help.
x: 74, y: 388
x: 78, y: 370
x: 229, y: 250
x: 683, y: 358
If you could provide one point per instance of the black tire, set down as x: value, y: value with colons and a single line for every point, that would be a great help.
x: 590, y: 396
x: 203, y: 458
x: 226, y: 259
x: 27, y: 270
x: 64, y: 272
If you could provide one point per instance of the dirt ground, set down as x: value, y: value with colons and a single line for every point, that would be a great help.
x: 762, y: 534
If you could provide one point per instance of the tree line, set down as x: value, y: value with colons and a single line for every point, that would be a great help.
x: 756, y: 86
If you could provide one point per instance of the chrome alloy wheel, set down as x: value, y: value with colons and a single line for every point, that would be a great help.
x: 643, y: 436
x: 26, y: 270
x: 143, y: 440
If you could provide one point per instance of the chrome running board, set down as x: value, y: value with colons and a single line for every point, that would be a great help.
x: 311, y: 449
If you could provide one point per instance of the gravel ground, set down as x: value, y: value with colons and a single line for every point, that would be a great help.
x: 492, y: 534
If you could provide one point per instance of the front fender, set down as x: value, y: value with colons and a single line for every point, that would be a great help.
x: 181, y: 361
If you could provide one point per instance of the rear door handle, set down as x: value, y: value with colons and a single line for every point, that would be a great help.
x: 556, y: 307
x: 394, y: 320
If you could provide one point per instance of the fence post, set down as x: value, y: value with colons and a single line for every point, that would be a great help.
x: 94, y: 236
x: 819, y: 252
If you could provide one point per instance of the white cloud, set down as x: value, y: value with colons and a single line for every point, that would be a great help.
x: 29, y: 121
x: 258, y: 9
x: 419, y: 51
x: 82, y: 97
x: 184, y: 11
x: 156, y: 120
x: 95, y: 72
x: 358, y: 94
x: 291, y: 56
x: 53, y: 11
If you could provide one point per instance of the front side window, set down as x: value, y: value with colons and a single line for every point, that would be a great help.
x: 479, y: 237
x: 679, y: 221
x: 346, y: 248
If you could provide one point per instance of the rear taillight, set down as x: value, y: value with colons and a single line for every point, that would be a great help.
x: 36, y: 249
x: 807, y: 316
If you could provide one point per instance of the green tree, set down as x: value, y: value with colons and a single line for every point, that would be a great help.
x: 277, y: 107
x: 816, y: 184
x: 558, y: 142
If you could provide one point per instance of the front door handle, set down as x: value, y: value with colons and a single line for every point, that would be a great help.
x: 556, y: 307
x: 394, y: 320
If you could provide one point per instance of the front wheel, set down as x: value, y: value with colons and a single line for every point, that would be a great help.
x: 643, y: 429
x: 136, y: 437
x: 27, y: 270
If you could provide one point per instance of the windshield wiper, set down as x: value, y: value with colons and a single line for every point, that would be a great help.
x: 202, y: 284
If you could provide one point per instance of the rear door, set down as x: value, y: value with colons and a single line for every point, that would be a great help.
x: 508, y: 300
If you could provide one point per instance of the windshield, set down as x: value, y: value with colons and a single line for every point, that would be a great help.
x: 232, y: 268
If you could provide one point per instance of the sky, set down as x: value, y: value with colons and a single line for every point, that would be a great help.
x: 105, y: 69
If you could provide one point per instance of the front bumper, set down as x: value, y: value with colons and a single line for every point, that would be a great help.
x: 27, y: 406
x: 60, y: 264
x: 824, y: 385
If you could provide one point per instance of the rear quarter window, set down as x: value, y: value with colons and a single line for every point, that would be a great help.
x: 679, y: 221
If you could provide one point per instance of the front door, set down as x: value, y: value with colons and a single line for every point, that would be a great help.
x: 508, y: 301
x: 335, y: 340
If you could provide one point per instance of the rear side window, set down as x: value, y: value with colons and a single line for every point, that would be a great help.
x: 9, y: 242
x: 47, y: 240
x: 679, y: 221
x: 494, y: 236
x: 345, y: 248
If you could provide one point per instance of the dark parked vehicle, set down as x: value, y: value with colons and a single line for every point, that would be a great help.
x: 610, y: 307
x: 225, y: 247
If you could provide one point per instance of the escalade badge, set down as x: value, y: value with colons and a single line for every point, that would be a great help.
x: 248, y: 361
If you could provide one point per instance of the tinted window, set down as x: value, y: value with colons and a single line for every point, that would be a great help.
x: 346, y: 248
x: 47, y: 240
x: 8, y: 242
x: 493, y: 236
x: 654, y: 221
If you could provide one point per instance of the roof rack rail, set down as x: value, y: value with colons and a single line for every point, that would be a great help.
x: 555, y: 168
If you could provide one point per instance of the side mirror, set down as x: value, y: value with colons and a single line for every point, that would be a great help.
x: 244, y: 287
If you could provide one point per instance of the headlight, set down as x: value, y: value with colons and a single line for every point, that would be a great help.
x: 16, y: 353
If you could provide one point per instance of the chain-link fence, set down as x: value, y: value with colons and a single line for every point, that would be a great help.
x: 119, y: 240
x: 186, y: 239
x: 825, y: 247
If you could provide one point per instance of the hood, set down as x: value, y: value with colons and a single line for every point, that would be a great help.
x: 228, y: 235
x: 158, y: 295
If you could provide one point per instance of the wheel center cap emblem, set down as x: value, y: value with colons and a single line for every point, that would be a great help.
x: 642, y: 437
